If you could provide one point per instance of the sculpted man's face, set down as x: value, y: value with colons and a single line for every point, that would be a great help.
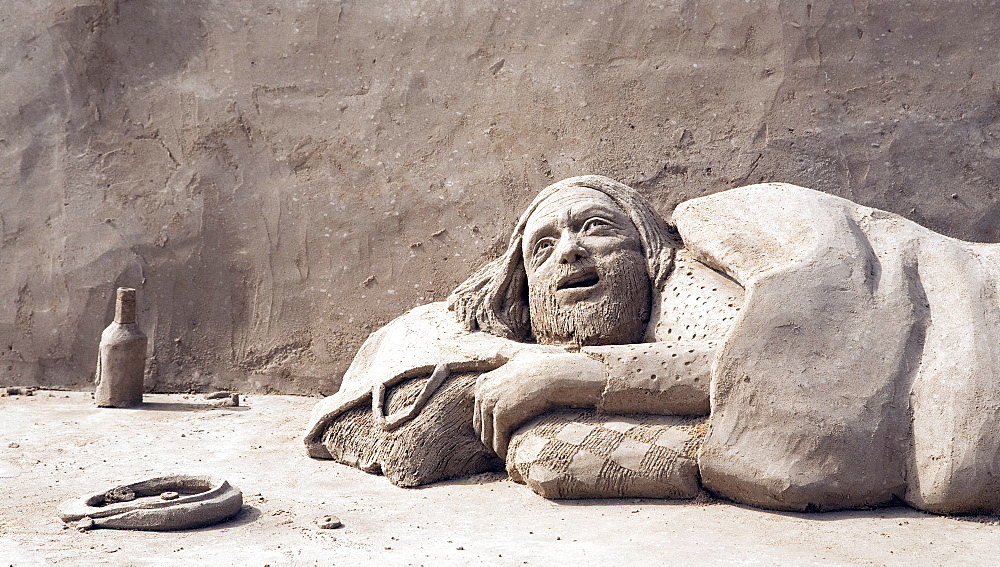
x: 587, y: 277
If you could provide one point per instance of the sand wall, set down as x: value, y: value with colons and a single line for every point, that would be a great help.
x: 280, y: 178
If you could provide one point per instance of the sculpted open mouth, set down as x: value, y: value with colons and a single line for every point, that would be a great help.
x: 579, y: 280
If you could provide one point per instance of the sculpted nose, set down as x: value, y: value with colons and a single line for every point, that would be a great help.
x: 570, y: 250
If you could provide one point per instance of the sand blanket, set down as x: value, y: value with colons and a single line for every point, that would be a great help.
x: 864, y: 363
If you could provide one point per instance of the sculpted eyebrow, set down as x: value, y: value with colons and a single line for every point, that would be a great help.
x: 597, y: 210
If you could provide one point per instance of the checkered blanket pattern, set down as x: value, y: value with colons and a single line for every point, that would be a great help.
x: 586, y: 454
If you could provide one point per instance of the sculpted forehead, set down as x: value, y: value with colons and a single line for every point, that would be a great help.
x: 572, y: 199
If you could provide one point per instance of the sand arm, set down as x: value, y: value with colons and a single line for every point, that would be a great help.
x: 658, y: 378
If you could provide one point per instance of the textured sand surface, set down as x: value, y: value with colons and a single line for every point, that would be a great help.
x: 57, y: 446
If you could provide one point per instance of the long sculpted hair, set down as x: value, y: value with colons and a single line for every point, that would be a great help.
x: 495, y: 298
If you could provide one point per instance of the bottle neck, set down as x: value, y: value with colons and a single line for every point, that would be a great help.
x: 125, y: 306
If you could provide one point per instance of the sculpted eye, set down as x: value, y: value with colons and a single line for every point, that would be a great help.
x: 597, y: 223
x: 542, y: 246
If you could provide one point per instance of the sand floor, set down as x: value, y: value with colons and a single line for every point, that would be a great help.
x: 57, y: 446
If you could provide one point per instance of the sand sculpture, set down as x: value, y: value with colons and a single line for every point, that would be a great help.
x: 775, y: 345
x: 121, y: 358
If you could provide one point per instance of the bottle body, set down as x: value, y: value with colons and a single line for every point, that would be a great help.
x: 121, y: 358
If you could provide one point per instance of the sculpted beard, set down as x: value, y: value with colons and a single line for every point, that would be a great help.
x: 616, y: 313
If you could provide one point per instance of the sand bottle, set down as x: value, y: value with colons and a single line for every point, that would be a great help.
x: 121, y: 360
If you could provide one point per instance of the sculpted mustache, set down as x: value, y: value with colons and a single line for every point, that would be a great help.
x: 578, y: 270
